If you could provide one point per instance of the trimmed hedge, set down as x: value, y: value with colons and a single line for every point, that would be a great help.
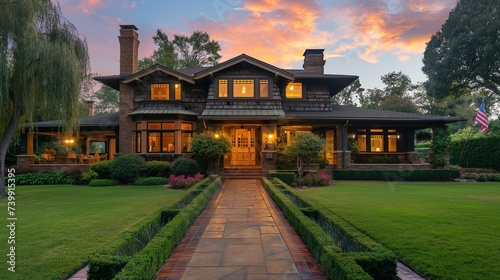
x: 481, y: 152
x: 44, y: 178
x: 285, y: 176
x: 343, y: 251
x: 103, y: 168
x: 127, y: 168
x: 151, y: 181
x: 146, y: 263
x: 103, y: 183
x: 397, y: 175
x: 129, y: 253
x: 156, y: 168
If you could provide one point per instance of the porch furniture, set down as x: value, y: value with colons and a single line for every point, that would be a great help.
x: 48, y: 157
x: 84, y: 159
x: 71, y: 158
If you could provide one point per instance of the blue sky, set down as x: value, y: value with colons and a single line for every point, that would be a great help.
x: 368, y: 38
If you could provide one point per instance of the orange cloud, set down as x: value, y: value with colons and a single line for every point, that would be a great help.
x: 86, y: 6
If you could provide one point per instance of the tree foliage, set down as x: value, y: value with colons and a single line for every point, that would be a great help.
x: 210, y: 147
x: 42, y: 64
x: 306, y: 148
x: 349, y: 95
x: 398, y: 103
x: 183, y: 52
x: 465, y: 53
x: 107, y: 101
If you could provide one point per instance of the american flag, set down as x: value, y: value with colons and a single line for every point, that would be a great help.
x: 481, y: 118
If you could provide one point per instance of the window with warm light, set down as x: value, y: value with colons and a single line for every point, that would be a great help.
x: 294, y: 90
x: 222, y: 88
x: 264, y: 88
x: 160, y: 91
x: 243, y: 88
x: 177, y: 91
x: 377, y: 143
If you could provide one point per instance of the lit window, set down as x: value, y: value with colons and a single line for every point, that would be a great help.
x: 167, y: 125
x: 186, y: 142
x: 264, y: 88
x: 362, y: 142
x: 392, y: 143
x: 243, y: 88
x: 168, y: 142
x: 154, y: 142
x: 186, y: 126
x: 160, y: 92
x: 377, y: 143
x: 222, y: 88
x: 294, y: 90
x: 177, y: 91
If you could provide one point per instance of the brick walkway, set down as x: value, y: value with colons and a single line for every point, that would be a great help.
x: 241, y: 235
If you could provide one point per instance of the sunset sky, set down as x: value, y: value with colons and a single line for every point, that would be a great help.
x: 368, y: 38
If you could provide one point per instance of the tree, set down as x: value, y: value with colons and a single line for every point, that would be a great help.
x: 210, y: 147
x: 305, y: 148
x: 183, y: 51
x: 396, y: 83
x: 107, y: 101
x: 42, y: 64
x: 465, y: 54
x: 371, y: 98
x: 398, y: 103
x: 348, y: 95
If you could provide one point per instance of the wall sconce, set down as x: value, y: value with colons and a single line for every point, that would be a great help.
x: 217, y: 135
x: 69, y: 141
x: 397, y: 136
x: 354, y: 136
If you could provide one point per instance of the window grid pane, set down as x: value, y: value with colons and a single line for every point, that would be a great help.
x: 177, y: 91
x: 222, y: 88
x: 294, y: 90
x: 160, y: 92
x: 264, y: 88
x: 243, y: 88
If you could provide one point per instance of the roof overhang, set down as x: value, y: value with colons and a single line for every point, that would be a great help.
x: 248, y: 59
x: 158, y: 68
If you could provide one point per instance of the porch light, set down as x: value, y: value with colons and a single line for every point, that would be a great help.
x: 217, y: 135
x: 270, y: 137
x: 397, y: 136
x: 69, y: 141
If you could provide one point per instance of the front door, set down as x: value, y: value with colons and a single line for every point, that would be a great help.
x: 243, y: 150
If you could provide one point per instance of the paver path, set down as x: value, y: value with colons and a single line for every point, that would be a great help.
x: 241, y: 235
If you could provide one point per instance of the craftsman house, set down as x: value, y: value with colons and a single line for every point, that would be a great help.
x: 251, y: 102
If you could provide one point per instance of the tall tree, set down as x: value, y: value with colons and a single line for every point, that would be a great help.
x: 396, y: 83
x: 183, y: 51
x: 349, y: 95
x: 107, y: 101
x: 42, y: 64
x: 465, y: 53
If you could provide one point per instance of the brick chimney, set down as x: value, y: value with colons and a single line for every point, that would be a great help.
x: 313, y: 61
x: 129, y: 49
x: 90, y: 107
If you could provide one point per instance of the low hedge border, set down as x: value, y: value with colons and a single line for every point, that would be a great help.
x: 343, y: 251
x: 397, y: 175
x: 288, y: 176
x: 112, y: 258
x: 146, y: 263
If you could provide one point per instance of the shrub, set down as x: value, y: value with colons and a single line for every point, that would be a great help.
x: 184, y: 166
x: 127, y: 168
x: 103, y: 168
x: 151, y: 181
x: 286, y: 177
x: 487, y: 147
x: 156, y: 168
x: 88, y: 176
x: 496, y: 178
x: 183, y: 182
x: 44, y: 178
x: 314, y: 179
x: 482, y: 177
x: 469, y: 175
x: 103, y: 183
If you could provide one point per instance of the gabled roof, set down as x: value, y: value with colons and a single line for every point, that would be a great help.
x: 244, y: 58
x: 158, y: 68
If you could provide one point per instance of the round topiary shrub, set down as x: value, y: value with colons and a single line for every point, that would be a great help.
x: 103, y: 168
x: 127, y: 168
x: 156, y: 168
x: 184, y: 166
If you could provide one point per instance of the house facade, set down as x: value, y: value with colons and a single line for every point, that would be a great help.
x: 253, y: 103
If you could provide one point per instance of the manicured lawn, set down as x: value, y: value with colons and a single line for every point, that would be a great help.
x: 442, y: 230
x: 58, y: 227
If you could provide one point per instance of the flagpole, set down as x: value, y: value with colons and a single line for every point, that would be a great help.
x: 463, y: 148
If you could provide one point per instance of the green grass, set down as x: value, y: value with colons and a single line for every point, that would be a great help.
x: 59, y: 227
x: 442, y: 230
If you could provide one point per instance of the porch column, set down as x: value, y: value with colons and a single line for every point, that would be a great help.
x: 29, y: 143
x: 343, y: 154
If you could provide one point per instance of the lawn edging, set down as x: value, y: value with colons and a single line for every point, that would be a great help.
x: 342, y: 251
x: 113, y: 257
x: 146, y: 263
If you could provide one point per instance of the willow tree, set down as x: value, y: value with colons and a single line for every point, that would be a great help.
x: 42, y: 63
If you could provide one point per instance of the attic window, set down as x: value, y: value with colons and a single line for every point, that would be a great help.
x: 160, y: 91
x: 294, y: 90
x: 243, y: 88
x: 222, y: 87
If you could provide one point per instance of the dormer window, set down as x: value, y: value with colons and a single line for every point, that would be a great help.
x: 166, y: 91
x: 294, y: 90
x: 243, y: 88
x: 160, y: 91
